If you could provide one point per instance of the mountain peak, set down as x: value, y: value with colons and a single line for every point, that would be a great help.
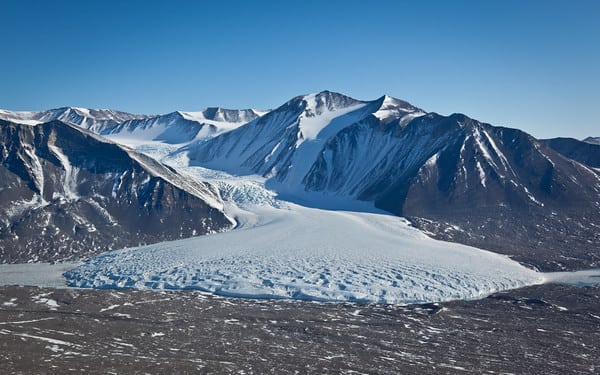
x: 327, y: 101
x: 389, y: 102
x: 391, y: 109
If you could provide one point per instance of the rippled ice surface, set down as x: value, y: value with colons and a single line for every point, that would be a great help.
x: 304, y: 253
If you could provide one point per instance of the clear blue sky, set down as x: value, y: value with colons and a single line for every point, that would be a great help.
x: 533, y: 65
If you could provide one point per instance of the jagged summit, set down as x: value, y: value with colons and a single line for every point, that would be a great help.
x: 327, y: 101
x: 392, y: 109
x: 96, y: 120
x: 389, y: 102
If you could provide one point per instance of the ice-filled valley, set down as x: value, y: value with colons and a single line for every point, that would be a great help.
x: 281, y: 249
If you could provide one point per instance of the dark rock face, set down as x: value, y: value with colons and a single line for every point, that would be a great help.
x: 585, y: 152
x: 67, y: 194
x: 229, y: 115
x: 498, y: 189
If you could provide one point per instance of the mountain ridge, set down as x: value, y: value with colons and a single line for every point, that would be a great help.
x: 454, y: 177
x: 69, y: 193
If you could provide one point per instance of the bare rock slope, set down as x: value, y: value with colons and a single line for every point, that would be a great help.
x: 67, y: 193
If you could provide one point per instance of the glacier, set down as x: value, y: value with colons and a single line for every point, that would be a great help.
x: 282, y: 250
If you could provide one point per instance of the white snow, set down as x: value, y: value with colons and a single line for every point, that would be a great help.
x: 175, y: 128
x: 70, y: 182
x: 47, y: 339
x: 430, y: 166
x: 498, y: 153
x: 82, y: 111
x: 141, y: 131
x: 483, y: 148
x: 432, y: 161
x: 109, y: 308
x: 481, y: 173
x: 392, y: 108
x: 530, y: 196
x: 43, y: 300
x: 38, y: 171
x: 95, y: 120
x: 27, y: 321
x: 9, y: 303
x: 26, y: 118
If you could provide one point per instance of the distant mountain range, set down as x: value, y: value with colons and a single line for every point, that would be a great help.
x: 453, y: 177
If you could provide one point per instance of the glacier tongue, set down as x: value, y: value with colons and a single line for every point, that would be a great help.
x: 283, y: 250
x: 305, y: 253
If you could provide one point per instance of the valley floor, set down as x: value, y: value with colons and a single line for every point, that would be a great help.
x: 546, y: 329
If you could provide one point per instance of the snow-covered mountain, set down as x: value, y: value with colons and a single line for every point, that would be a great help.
x: 68, y: 193
x: 457, y: 178
x: 285, y: 144
x: 95, y: 120
x: 172, y: 128
x: 179, y: 127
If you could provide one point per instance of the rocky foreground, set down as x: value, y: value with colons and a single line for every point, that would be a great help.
x: 548, y: 329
